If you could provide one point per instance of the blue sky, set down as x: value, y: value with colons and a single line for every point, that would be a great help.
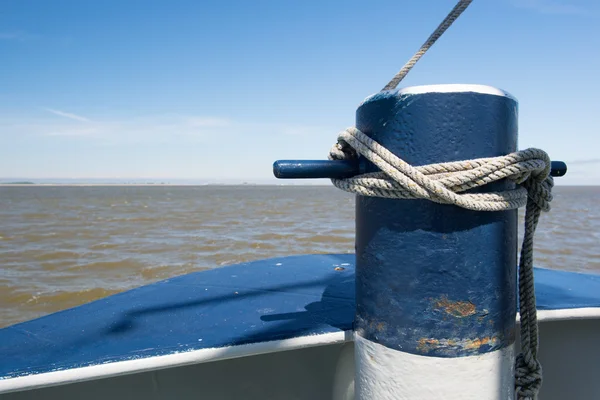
x: 217, y: 90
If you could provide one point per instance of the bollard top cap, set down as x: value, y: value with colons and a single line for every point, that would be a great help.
x: 444, y: 88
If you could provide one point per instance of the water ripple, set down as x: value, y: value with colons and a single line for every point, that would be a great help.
x: 64, y: 246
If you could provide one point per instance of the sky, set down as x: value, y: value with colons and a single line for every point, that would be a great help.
x: 215, y: 91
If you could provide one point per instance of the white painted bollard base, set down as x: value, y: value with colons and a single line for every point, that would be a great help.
x: 386, y: 374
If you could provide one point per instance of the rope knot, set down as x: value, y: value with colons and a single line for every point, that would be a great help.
x: 528, y: 377
x: 540, y: 192
x: 342, y: 151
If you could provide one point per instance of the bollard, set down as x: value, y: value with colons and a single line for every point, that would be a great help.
x: 436, y: 284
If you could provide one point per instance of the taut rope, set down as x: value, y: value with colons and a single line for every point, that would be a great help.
x: 450, y: 18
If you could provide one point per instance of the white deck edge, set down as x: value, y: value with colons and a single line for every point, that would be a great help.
x: 566, y: 314
x: 112, y: 369
x: 118, y: 368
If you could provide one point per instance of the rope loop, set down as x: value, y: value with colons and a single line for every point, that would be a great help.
x: 445, y: 182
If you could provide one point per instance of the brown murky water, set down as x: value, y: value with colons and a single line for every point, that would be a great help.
x: 64, y: 246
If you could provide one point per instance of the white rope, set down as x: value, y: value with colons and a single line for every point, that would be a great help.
x: 444, y: 183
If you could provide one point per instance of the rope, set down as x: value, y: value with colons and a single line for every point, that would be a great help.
x: 444, y: 183
x: 450, y: 18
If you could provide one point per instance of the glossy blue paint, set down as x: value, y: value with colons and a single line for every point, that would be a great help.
x: 310, y: 169
x: 255, y: 302
x: 304, y: 295
x: 427, y: 273
x: 314, y: 169
x: 558, y: 168
x: 558, y: 290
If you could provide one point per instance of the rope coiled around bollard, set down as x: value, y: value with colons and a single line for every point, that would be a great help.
x: 445, y: 183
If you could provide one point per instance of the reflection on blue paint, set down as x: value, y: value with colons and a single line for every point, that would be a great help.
x: 276, y: 299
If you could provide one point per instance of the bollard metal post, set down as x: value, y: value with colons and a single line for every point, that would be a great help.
x: 436, y: 284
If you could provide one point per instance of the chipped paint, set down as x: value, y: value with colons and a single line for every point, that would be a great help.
x: 339, y: 268
x: 379, y: 326
x: 458, y: 309
x: 477, y: 343
x: 428, y: 345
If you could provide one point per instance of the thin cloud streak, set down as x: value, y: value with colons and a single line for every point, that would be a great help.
x: 67, y: 115
x: 16, y: 36
x: 153, y: 129
x: 208, y: 122
x: 8, y: 36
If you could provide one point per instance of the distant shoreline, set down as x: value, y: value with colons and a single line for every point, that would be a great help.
x: 155, y: 184
x: 105, y: 184
x: 294, y: 184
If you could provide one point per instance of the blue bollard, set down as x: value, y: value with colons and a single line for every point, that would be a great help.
x: 436, y: 284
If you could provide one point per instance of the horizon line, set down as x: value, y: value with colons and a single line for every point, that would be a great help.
x: 182, y: 182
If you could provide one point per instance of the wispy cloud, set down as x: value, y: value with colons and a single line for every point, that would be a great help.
x: 158, y: 128
x: 551, y: 7
x: 17, y: 36
x: 208, y: 122
x: 8, y: 36
x: 67, y: 115
x: 22, y: 38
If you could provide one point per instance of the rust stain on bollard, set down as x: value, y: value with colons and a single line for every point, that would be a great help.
x: 458, y: 309
x: 427, y: 345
